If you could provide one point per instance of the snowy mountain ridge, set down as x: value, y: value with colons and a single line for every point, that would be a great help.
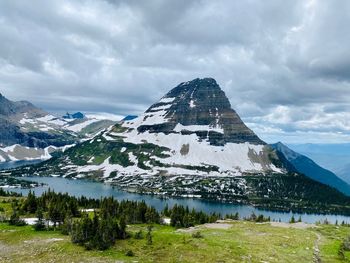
x: 28, y: 133
x: 50, y: 122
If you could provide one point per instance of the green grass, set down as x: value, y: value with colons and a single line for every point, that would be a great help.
x: 6, y: 204
x: 331, y: 238
x: 243, y: 242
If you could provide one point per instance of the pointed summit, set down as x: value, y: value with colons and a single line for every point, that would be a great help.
x: 196, y: 107
x: 196, y: 84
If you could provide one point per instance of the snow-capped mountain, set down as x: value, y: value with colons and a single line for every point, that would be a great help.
x: 192, y: 130
x: 191, y: 143
x: 27, y: 132
x: 195, y: 118
x: 52, y: 123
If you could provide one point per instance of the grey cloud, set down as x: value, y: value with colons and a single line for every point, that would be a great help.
x: 283, y: 64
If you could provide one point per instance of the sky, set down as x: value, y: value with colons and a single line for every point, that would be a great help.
x: 284, y: 65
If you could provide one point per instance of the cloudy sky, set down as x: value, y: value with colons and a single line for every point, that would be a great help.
x: 285, y: 65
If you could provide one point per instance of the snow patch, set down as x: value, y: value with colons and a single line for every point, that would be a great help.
x: 47, y: 118
x: 132, y: 158
x: 232, y: 158
x: 78, y: 127
x: 108, y: 168
x: 179, y: 127
x: 166, y: 221
x: 167, y: 100
x: 66, y: 147
x: 148, y: 118
x: 192, y: 105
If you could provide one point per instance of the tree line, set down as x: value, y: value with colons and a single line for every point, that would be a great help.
x: 99, y: 223
x: 106, y: 222
x: 9, y: 193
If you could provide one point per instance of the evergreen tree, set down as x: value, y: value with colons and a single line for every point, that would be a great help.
x: 40, y: 224
x: 15, y: 219
x: 151, y: 216
x: 54, y: 213
x: 67, y: 225
x: 292, y: 220
x: 30, y: 204
x: 149, y: 235
x: 166, y: 210
x: 122, y: 228
x: 253, y: 217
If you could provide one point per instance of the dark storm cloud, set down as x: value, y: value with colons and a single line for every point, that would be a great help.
x: 283, y: 64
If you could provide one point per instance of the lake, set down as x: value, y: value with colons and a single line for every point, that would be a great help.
x: 96, y: 190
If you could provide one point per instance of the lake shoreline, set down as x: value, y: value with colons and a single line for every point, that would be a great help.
x: 94, y: 189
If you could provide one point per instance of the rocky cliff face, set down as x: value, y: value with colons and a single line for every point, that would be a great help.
x: 198, y: 107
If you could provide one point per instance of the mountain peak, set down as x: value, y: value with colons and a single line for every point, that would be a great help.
x: 287, y: 152
x: 2, y: 97
x: 201, y: 82
x: 11, y: 108
x: 77, y: 115
x: 193, y: 85
x: 198, y: 106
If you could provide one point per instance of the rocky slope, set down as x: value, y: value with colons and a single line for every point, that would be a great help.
x: 27, y: 132
x: 308, y: 167
x: 333, y: 157
x: 191, y: 143
x: 197, y: 107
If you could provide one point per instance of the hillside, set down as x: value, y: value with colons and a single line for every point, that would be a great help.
x: 27, y: 132
x: 333, y: 157
x: 308, y: 167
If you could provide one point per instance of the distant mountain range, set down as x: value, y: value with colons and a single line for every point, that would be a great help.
x: 308, y: 167
x: 27, y: 132
x: 191, y: 143
x: 77, y: 115
x: 334, y: 157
